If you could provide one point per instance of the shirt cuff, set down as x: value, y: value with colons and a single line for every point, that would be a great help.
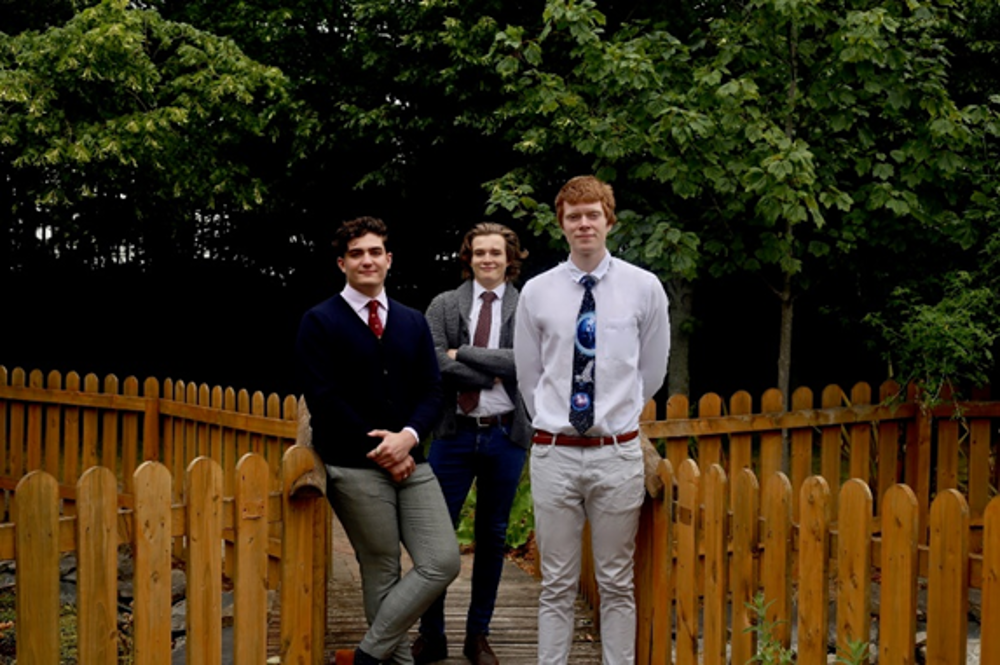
x: 414, y: 433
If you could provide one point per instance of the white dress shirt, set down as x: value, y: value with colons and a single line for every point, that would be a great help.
x: 493, y: 401
x: 633, y: 344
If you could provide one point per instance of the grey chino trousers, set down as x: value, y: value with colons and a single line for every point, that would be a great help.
x: 378, y: 515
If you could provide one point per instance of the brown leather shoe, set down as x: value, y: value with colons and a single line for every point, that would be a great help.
x: 429, y: 650
x: 477, y: 650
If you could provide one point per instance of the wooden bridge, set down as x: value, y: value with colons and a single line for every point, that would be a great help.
x: 514, y: 635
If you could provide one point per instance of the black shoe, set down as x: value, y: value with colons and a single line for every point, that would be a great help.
x: 429, y: 649
x: 477, y: 650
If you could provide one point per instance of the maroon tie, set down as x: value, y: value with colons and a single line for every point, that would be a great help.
x: 374, y: 322
x: 469, y: 399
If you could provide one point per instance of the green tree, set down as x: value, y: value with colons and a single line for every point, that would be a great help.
x: 129, y: 137
x: 781, y: 141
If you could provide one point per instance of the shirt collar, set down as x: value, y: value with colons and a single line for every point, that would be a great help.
x: 478, y: 290
x: 359, y: 301
x: 599, y: 272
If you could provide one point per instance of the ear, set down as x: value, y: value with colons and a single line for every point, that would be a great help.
x: 340, y: 264
x: 388, y: 260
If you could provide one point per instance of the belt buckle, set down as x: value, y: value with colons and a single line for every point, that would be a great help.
x: 482, y: 422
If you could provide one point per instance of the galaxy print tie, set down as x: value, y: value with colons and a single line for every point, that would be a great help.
x: 581, y: 401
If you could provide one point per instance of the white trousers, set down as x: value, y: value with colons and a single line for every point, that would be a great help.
x: 602, y: 485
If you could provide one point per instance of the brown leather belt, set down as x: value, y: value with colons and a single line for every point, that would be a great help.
x: 548, y: 438
x: 480, y: 422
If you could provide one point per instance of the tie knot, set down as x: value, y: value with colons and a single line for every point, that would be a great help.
x: 488, y: 297
x: 588, y: 281
x: 373, y: 305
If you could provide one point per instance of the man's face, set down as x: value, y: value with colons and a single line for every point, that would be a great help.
x: 489, y: 260
x: 585, y: 227
x: 366, y: 263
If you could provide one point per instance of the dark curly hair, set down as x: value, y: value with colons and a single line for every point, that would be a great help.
x: 356, y: 228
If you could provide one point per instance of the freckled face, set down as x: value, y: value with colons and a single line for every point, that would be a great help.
x: 489, y: 260
x: 366, y: 263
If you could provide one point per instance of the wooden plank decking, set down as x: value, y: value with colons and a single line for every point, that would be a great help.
x: 514, y: 630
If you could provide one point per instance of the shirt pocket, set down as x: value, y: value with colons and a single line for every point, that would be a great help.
x: 619, y: 339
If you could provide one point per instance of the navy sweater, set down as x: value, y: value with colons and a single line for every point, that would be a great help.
x: 355, y: 382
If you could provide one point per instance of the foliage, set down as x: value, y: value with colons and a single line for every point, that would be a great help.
x: 781, y: 140
x: 770, y: 650
x: 121, y: 126
x: 947, y: 341
x: 522, y: 519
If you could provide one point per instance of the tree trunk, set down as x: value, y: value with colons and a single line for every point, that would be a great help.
x: 785, y: 339
x: 681, y: 293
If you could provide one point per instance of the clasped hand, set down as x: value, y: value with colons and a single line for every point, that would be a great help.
x: 393, y: 453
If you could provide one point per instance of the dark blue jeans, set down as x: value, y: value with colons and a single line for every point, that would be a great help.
x: 487, y: 456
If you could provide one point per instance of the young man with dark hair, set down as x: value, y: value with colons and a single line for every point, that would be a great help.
x: 371, y: 381
x: 484, y: 430
x: 591, y: 349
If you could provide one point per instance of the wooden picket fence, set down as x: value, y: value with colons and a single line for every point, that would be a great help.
x: 180, y: 473
x: 66, y: 425
x: 710, y: 550
x: 705, y: 550
x: 40, y: 535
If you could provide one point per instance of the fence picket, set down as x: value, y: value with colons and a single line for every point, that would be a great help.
x: 130, y: 437
x: 17, y: 413
x: 854, y: 556
x: 91, y: 425
x: 948, y: 580
x: 250, y: 524
x: 299, y: 642
x: 888, y: 448
x: 776, y: 506
x: 802, y: 438
x: 814, y: 587
x: 34, y: 423
x: 53, y: 427
x: 832, y: 397
x: 709, y: 447
x: 97, y: 567
x: 740, y: 445
x: 688, y: 480
x: 663, y: 559
x: 152, y: 542
x: 677, y: 447
x: 771, y: 441
x: 716, y: 490
x: 37, y: 536
x: 109, y: 427
x: 203, y: 496
x: 979, y: 466
x: 861, y: 450
x: 990, y: 647
x: 898, y: 594
x: 151, y: 438
x: 71, y: 434
x: 743, y: 569
x: 947, y: 459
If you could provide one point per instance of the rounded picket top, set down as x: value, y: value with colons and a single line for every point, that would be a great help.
x: 303, y: 473
x: 815, y: 492
x: 898, y: 498
x: 949, y: 504
x: 665, y: 470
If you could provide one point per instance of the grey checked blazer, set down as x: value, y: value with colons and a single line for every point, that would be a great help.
x: 448, y: 316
